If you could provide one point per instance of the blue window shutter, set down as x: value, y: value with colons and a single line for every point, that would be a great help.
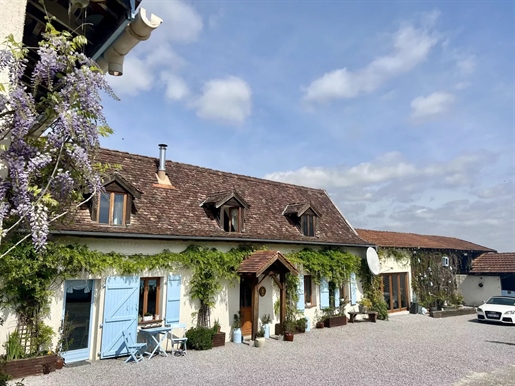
x: 173, y: 299
x: 324, y: 294
x: 300, y: 294
x: 353, y: 288
x: 337, y: 297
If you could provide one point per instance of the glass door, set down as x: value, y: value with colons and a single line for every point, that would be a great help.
x: 395, y: 291
x: 77, y: 317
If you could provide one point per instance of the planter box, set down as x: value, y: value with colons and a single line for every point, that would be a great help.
x: 453, y: 312
x: 31, y: 366
x: 335, y: 321
x: 278, y: 329
x: 219, y: 339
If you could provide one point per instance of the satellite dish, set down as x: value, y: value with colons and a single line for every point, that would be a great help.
x: 373, y: 261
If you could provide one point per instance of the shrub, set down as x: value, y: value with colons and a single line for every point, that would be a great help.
x: 200, y: 338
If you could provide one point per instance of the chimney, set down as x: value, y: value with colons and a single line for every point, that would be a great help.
x: 161, y: 172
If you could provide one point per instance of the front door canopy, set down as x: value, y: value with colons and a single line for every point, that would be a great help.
x: 261, y: 261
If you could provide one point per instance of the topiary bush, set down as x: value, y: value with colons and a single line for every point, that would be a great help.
x: 200, y: 338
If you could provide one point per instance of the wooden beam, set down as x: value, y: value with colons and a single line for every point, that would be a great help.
x: 255, y: 307
x: 262, y: 278
x: 282, y: 312
x: 279, y: 284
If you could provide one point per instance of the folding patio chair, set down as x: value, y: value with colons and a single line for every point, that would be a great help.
x: 178, y: 337
x: 135, y: 349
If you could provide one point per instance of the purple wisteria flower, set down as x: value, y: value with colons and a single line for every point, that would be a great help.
x: 43, y: 176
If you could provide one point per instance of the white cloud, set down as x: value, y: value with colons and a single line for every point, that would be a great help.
x: 226, y: 100
x: 142, y: 66
x: 135, y: 78
x: 461, y: 85
x: 377, y: 176
x: 467, y: 65
x: 411, y: 46
x: 176, y: 88
x: 431, y: 106
x: 181, y: 22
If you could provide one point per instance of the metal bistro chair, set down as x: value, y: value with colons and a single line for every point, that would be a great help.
x: 135, y: 349
x: 178, y: 337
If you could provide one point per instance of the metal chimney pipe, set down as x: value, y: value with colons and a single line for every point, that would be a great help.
x: 161, y: 172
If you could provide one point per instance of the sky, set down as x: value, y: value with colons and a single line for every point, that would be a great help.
x: 402, y: 111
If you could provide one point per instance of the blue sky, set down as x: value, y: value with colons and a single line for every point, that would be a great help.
x: 402, y: 111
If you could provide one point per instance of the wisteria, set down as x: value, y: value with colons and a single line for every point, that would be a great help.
x: 45, y: 169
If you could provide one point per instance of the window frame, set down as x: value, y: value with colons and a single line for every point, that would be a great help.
x: 111, y: 199
x: 228, y: 209
x: 145, y: 297
x: 308, y: 221
x: 308, y: 282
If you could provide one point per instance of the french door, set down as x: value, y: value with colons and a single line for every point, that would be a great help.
x: 395, y: 291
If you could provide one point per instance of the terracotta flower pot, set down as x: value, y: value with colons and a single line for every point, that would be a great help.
x: 288, y: 336
x: 59, y: 363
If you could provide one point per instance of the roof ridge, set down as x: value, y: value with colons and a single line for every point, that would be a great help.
x: 207, y: 169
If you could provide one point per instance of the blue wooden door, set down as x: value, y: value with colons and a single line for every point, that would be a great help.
x: 353, y: 289
x: 120, y: 313
x: 300, y: 294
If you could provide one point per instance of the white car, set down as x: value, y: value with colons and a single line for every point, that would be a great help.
x: 500, y: 309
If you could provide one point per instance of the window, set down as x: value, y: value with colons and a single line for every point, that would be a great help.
x: 308, y: 225
x: 308, y: 291
x: 149, y: 297
x: 232, y: 218
x: 112, y: 208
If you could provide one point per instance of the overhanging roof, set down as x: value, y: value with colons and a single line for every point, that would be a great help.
x: 260, y: 261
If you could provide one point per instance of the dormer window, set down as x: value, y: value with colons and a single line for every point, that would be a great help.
x: 307, y: 222
x: 304, y: 216
x: 114, y: 206
x: 228, y: 208
x: 232, y: 218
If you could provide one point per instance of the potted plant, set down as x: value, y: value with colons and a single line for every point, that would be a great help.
x: 265, y: 321
x: 301, y: 324
x: 218, y: 336
x: 236, y: 325
x: 334, y: 317
x: 365, y: 304
x: 289, y: 329
x: 319, y: 320
x: 260, y: 338
x: 147, y: 317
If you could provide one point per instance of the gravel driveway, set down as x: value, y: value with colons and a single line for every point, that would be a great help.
x: 406, y: 350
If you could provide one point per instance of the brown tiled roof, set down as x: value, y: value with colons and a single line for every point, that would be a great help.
x: 412, y: 240
x: 178, y: 212
x: 494, y: 263
x: 259, y: 261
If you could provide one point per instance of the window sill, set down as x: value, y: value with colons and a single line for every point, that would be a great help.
x: 150, y: 323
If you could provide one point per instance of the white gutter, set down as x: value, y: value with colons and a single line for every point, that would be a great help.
x: 136, y: 31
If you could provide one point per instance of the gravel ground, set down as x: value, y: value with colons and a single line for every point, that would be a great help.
x: 406, y: 350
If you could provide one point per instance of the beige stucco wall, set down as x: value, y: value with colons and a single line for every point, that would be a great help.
x: 473, y: 294
x: 227, y: 302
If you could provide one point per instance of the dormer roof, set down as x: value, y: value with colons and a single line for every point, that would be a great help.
x: 221, y: 198
x: 298, y: 209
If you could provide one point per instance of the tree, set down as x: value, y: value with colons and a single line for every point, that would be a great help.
x: 44, y: 176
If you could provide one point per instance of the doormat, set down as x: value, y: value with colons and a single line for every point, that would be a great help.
x: 77, y: 364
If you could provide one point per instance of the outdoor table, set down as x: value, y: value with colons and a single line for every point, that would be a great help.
x: 155, y: 336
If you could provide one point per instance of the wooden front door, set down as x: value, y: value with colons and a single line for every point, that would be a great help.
x: 246, y: 306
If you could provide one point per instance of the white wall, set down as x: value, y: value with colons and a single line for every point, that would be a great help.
x: 473, y: 294
x: 227, y: 302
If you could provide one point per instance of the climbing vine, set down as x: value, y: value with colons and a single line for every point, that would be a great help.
x: 372, y: 289
x: 433, y: 283
x: 27, y: 276
x: 334, y: 265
